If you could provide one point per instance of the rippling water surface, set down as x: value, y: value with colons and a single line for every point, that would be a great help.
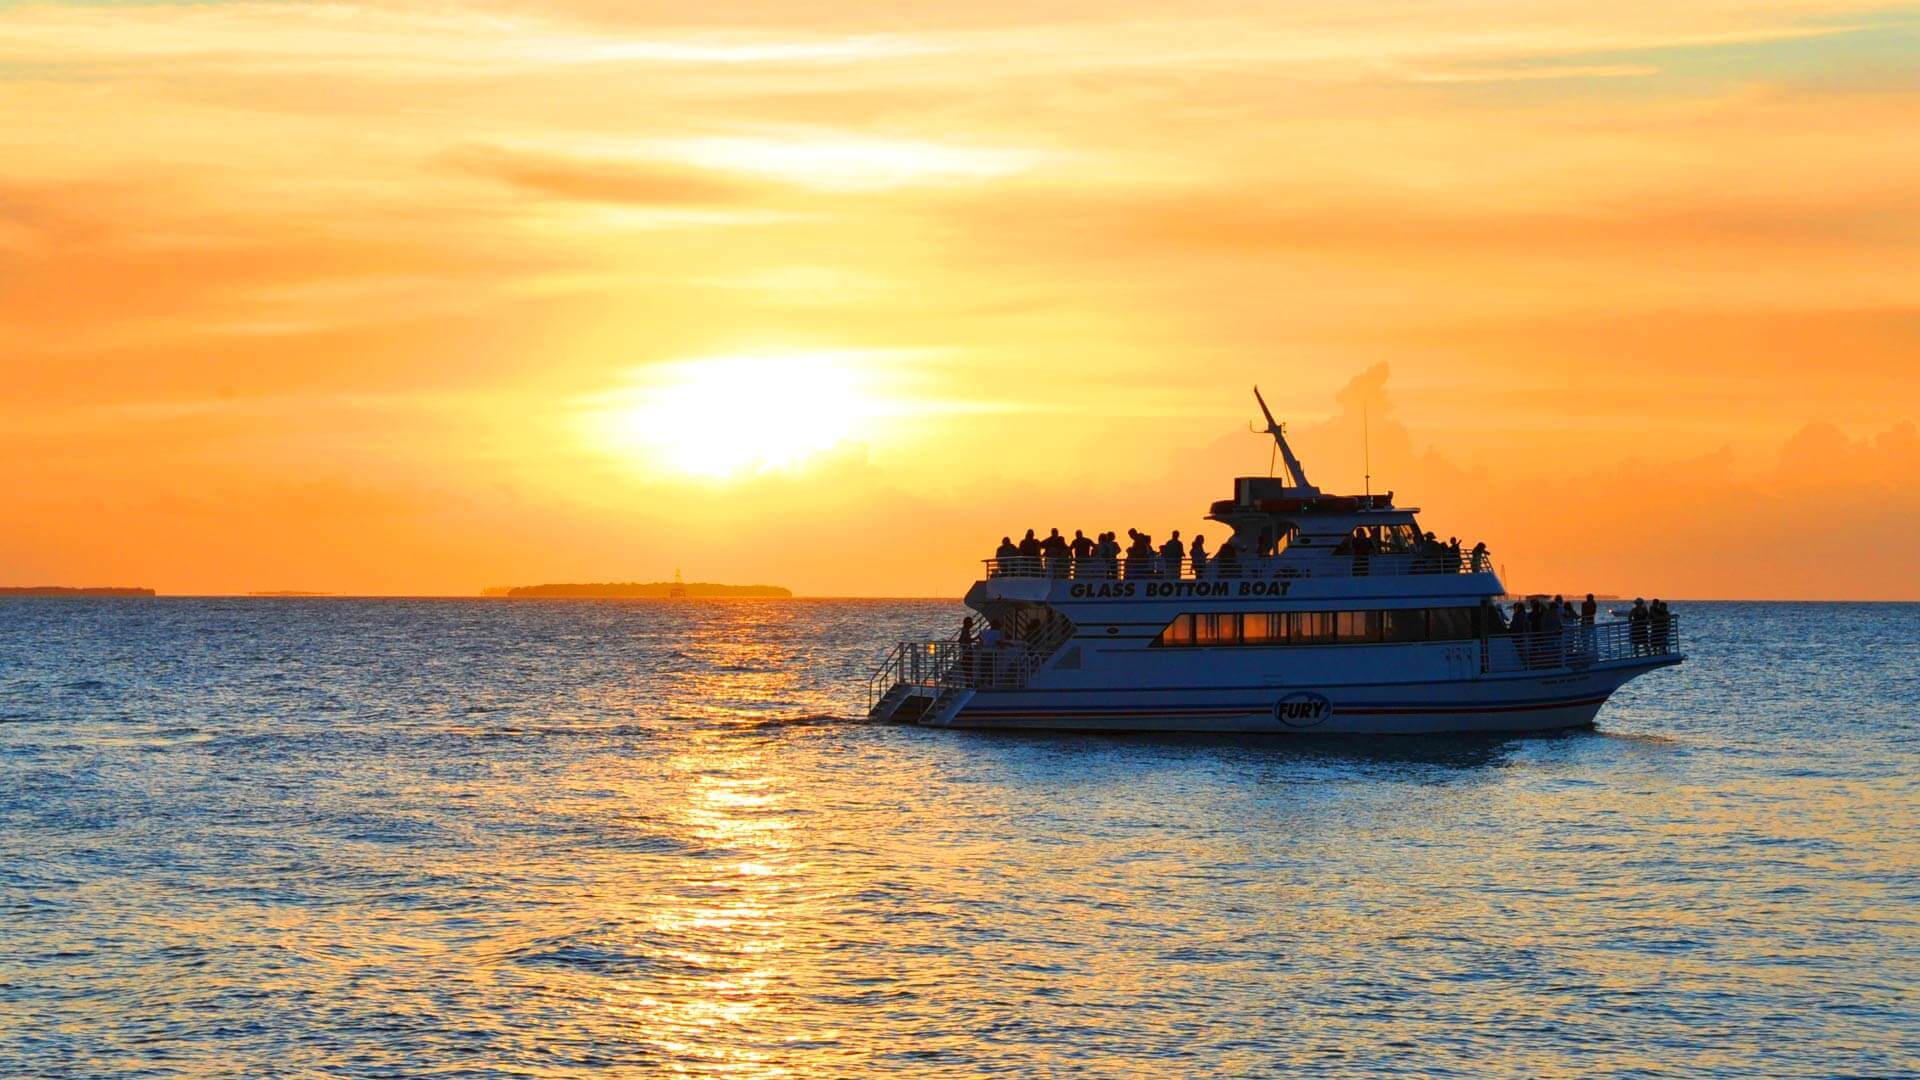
x: 529, y: 838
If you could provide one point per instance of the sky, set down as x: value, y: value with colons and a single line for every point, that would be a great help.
x: 422, y: 299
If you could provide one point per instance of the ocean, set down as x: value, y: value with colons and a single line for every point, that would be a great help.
x: 314, y: 837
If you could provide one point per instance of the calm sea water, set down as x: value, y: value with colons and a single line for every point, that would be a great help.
x: 525, y: 838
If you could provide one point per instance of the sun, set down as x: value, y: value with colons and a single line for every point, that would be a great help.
x: 724, y: 416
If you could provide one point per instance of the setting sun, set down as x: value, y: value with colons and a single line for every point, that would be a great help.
x: 720, y: 416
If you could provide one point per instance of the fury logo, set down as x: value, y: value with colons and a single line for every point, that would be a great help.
x: 1303, y: 709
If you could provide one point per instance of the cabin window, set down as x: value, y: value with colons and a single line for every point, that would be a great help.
x: 1356, y: 627
x: 1450, y: 624
x: 1409, y: 624
x: 1310, y: 627
x: 1263, y: 628
x: 1216, y: 629
x: 1391, y: 626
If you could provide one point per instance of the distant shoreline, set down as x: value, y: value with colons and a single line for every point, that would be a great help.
x: 650, y: 590
x: 73, y: 590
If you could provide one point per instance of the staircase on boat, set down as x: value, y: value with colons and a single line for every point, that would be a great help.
x: 927, y: 682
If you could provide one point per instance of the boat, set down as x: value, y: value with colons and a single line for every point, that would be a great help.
x: 1334, y: 615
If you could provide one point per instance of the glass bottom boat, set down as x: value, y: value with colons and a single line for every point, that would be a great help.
x: 1323, y: 614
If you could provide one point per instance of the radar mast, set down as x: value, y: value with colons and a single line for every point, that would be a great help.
x: 1279, y: 433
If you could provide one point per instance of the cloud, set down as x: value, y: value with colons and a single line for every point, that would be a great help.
x: 643, y: 183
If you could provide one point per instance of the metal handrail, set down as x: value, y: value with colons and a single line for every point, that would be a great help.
x: 1580, y: 645
x: 937, y: 665
x: 1295, y: 563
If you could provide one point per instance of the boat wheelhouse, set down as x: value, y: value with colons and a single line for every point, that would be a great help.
x: 1332, y: 614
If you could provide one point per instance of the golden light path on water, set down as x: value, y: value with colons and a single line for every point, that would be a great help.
x: 558, y: 839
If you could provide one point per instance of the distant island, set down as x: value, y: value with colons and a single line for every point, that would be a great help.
x: 288, y: 592
x: 68, y: 590
x: 650, y: 590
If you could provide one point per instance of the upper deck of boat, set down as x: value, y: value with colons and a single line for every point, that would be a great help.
x: 1287, y: 565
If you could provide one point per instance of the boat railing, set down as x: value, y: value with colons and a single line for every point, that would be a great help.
x: 1290, y: 565
x: 1581, y: 645
x: 935, y: 666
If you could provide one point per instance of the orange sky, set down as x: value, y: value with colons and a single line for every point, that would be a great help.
x: 402, y: 298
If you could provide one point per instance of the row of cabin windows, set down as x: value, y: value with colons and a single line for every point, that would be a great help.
x: 1321, y: 627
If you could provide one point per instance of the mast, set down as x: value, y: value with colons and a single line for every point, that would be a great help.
x: 1279, y: 433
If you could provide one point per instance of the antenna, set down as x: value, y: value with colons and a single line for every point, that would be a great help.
x: 1366, y: 452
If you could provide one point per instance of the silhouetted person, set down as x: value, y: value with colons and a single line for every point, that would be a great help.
x: 1108, y: 552
x: 968, y: 646
x: 1520, y: 626
x: 1637, y: 625
x: 987, y: 656
x: 1588, y: 610
x: 1054, y: 547
x: 1006, y: 550
x: 1227, y: 561
x: 1029, y: 546
x: 1171, y: 554
x: 1198, y: 553
x: 1453, y: 555
x: 1552, y: 622
x: 1137, y: 553
x: 1493, y: 619
x: 1362, y: 554
x: 1479, y: 562
x: 1659, y: 620
x: 1081, y: 547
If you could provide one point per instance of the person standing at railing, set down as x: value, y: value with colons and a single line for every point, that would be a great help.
x: 1552, y: 641
x: 1519, y: 626
x: 965, y: 642
x: 1453, y: 555
x: 1226, y: 562
x: 1107, y: 552
x: 1082, y: 551
x: 987, y: 656
x: 1054, y: 547
x: 1493, y: 618
x: 1637, y: 625
x: 1362, y: 554
x: 1028, y: 564
x: 1198, y: 554
x: 1172, y: 554
x: 1659, y: 620
x: 1479, y: 563
x: 1429, y: 555
x: 1588, y: 610
x: 1004, y: 555
x: 1139, y: 554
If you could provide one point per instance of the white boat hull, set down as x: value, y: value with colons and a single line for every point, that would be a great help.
x: 1517, y: 703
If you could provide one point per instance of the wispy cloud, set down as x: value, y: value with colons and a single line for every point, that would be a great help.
x: 1543, y: 72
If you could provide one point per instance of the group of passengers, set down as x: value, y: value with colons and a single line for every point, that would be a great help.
x: 1536, y: 624
x: 1103, y: 557
x: 1430, y: 555
x: 1650, y: 626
